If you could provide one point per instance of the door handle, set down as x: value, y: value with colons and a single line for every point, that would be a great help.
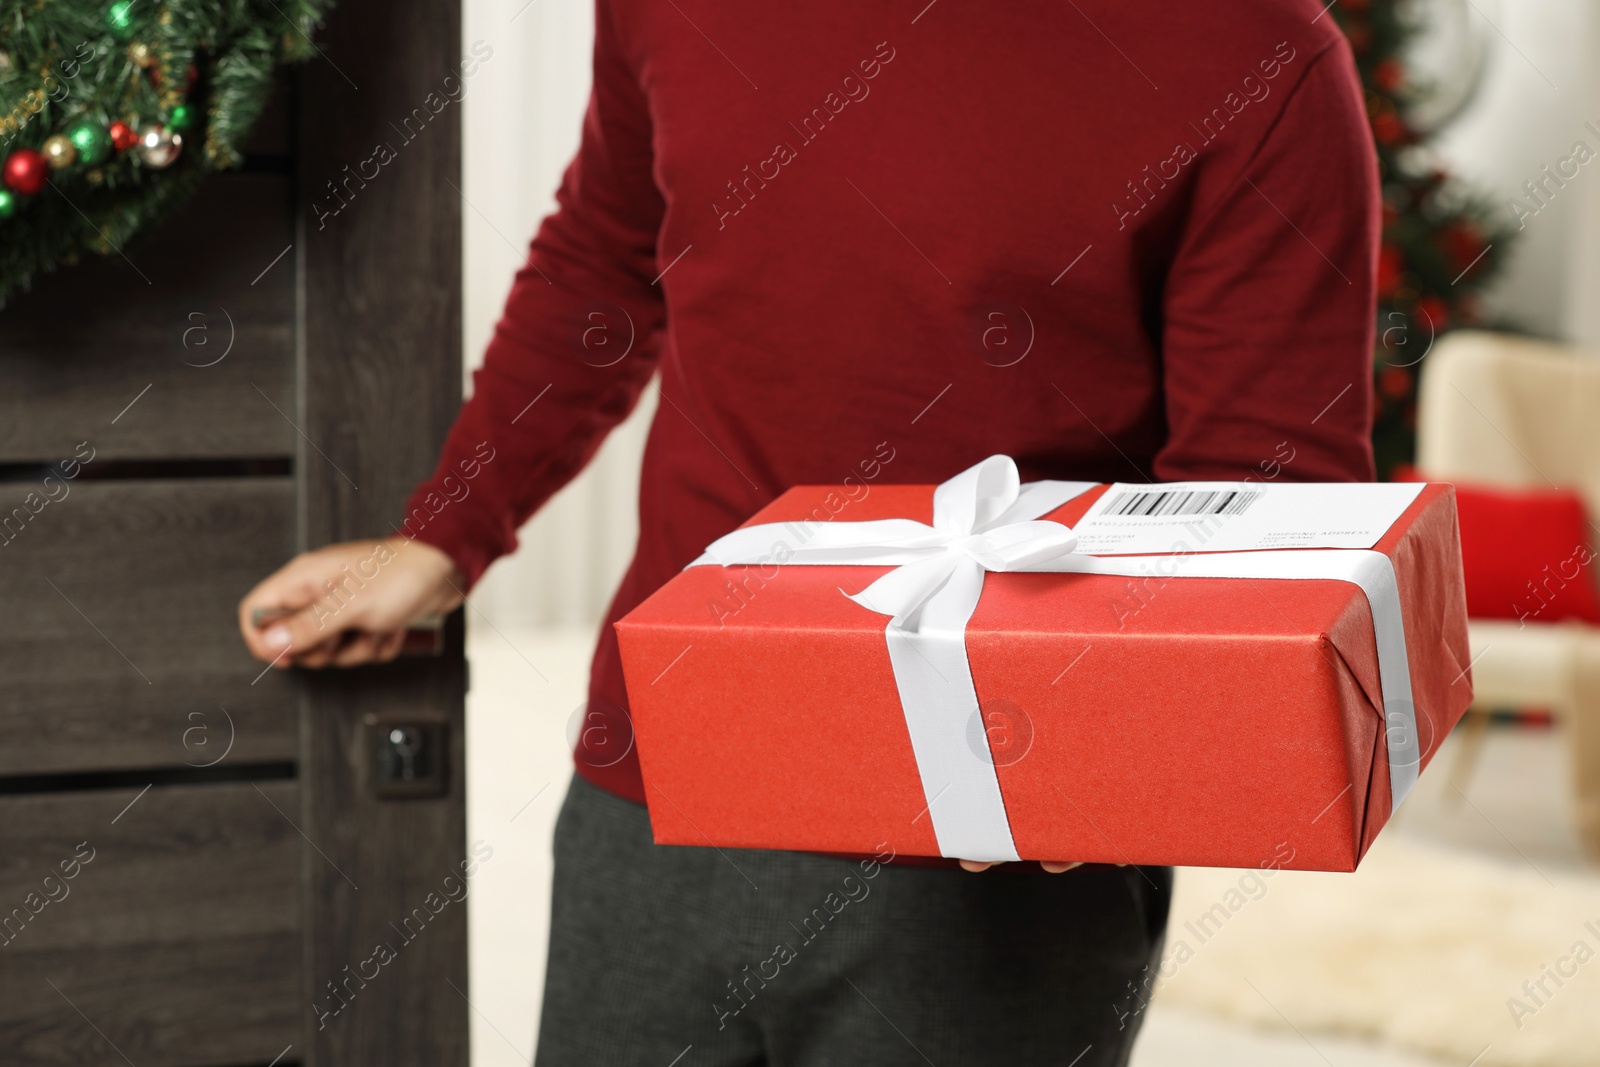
x: 423, y: 637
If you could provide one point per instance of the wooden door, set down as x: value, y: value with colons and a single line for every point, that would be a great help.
x: 195, y: 867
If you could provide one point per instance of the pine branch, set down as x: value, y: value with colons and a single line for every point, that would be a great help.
x: 69, y: 61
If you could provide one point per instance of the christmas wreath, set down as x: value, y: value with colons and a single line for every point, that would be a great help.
x: 112, y: 113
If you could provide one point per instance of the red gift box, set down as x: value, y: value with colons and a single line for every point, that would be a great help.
x: 1205, y: 721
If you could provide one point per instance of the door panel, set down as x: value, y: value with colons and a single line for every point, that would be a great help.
x: 382, y: 322
x: 117, y: 647
x: 222, y: 901
x: 175, y: 939
x: 198, y: 362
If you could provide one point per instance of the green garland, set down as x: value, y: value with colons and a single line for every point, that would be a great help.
x: 1432, y: 264
x: 112, y: 111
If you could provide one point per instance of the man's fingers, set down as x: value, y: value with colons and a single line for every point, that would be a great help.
x: 1054, y: 867
x: 389, y: 646
x: 357, y: 649
x: 268, y: 615
x: 289, y: 588
x: 346, y: 604
x: 304, y: 630
x: 1059, y: 868
x: 270, y: 638
x: 298, y: 640
x: 322, y: 653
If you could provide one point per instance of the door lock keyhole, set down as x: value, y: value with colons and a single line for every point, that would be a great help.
x: 406, y: 743
x: 408, y: 759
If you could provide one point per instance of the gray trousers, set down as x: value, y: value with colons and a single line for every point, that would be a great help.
x: 666, y: 956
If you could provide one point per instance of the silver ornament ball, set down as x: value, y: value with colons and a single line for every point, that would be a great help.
x: 158, y: 146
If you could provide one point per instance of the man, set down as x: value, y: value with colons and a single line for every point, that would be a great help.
x: 1115, y: 241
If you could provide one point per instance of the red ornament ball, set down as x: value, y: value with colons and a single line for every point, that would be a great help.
x: 1388, y: 128
x: 1395, y: 383
x: 1435, y: 311
x: 25, y: 171
x: 1388, y: 75
x: 1462, y: 242
x: 123, y: 136
x: 1391, y: 265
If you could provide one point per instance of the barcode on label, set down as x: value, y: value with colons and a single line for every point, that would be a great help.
x: 1182, y: 502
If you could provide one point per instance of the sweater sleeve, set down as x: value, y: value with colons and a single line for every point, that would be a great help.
x: 1269, y: 304
x: 575, y: 344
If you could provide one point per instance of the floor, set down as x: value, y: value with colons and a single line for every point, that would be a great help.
x: 523, y: 711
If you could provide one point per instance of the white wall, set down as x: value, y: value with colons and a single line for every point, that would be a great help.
x: 1538, y: 92
x: 523, y: 112
x: 1581, y: 316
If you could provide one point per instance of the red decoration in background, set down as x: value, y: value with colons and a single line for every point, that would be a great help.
x: 25, y: 172
x: 1526, y: 552
x: 123, y: 136
x: 1434, y: 309
x: 1388, y: 75
x: 1395, y: 382
x: 190, y: 76
x: 1390, y: 266
x: 1387, y: 125
x: 1462, y: 242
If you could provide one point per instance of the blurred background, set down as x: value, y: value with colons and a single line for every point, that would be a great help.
x: 1483, y: 882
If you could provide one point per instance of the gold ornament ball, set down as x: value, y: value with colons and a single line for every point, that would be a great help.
x: 159, y: 147
x: 59, y: 151
x: 141, y: 54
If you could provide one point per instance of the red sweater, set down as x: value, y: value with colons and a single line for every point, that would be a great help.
x: 1116, y: 241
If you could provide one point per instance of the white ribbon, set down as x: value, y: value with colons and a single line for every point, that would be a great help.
x: 984, y: 519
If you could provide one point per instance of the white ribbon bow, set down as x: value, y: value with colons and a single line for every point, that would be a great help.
x: 985, y: 519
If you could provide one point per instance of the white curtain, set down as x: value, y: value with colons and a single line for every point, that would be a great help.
x: 523, y: 110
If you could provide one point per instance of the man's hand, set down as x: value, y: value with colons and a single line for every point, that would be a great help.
x: 1054, y: 868
x: 347, y: 604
